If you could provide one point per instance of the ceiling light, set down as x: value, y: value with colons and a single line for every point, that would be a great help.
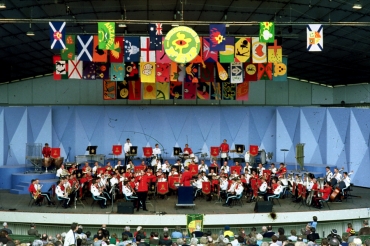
x: 30, y: 32
x: 174, y: 25
x: 122, y: 25
x: 357, y: 6
x: 2, y: 5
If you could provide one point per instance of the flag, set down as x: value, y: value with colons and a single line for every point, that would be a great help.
x: 258, y: 51
x: 57, y: 33
x: 107, y: 33
x: 84, y: 47
x: 194, y: 222
x: 99, y: 55
x: 236, y: 72
x: 267, y: 32
x: 150, y: 91
x: 102, y: 70
x: 250, y: 72
x: 203, y: 90
x: 177, y: 72
x: 109, y: 89
x: 192, y: 72
x: 75, y: 69
x: 242, y: 91
x: 315, y: 37
x: 155, y: 34
x: 132, y: 49
x: 116, y: 55
x: 147, y: 72
x: 274, y: 53
x: 69, y: 52
x: 208, y: 54
x: 122, y: 89
x: 162, y: 72
x: 161, y: 56
x: 175, y: 90
x: 242, y: 49
x: 216, y: 93
x: 60, y: 68
x: 222, y: 74
x: 88, y: 72
x: 227, y: 55
x: 132, y: 71
x: 217, y: 34
x: 207, y: 73
x: 264, y: 71
x: 280, y: 70
x: 163, y: 91
x: 134, y: 90
x: 190, y: 91
x: 117, y: 71
x: 228, y: 91
x: 147, y: 55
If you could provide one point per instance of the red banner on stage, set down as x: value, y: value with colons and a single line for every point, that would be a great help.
x: 55, y: 152
x: 215, y: 151
x: 172, y: 180
x: 117, y: 149
x: 193, y: 168
x: 206, y: 187
x: 253, y: 150
x: 237, y: 168
x: 139, y: 168
x: 162, y: 188
x: 148, y: 151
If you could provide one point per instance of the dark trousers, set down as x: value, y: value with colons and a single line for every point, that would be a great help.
x: 142, y: 199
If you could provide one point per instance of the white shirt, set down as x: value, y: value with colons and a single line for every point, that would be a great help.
x: 95, y: 168
x: 225, y: 169
x: 198, y: 184
x: 173, y: 173
x: 127, y: 190
x: 232, y: 187
x: 309, y: 185
x: 126, y: 147
x: 202, y: 168
x: 263, y: 187
x: 239, y: 189
x: 158, y: 165
x: 165, y: 167
x: 59, y: 172
x: 273, y: 170
x: 279, y: 189
x: 70, y: 238
x: 247, y: 169
x: 224, y: 184
x: 260, y: 170
x: 338, y: 176
x: 157, y: 151
x: 162, y: 180
x: 59, y: 192
x: 95, y: 191
x: 347, y: 181
x: 329, y: 175
x: 205, y: 179
x: 113, y: 181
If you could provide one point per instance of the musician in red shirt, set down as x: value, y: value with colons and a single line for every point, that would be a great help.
x: 46, y: 151
x: 281, y: 171
x: 187, y: 150
x: 186, y: 177
x: 142, y: 190
x: 224, y: 148
x: 326, y: 191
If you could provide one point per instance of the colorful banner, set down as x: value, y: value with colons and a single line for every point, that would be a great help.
x: 208, y: 54
x: 194, y: 222
x: 155, y: 35
x: 267, y: 32
x: 217, y: 33
x: 57, y: 33
x: 315, y: 37
x: 122, y: 90
x: 192, y: 73
x: 207, y: 73
x: 147, y: 72
x: 228, y: 91
x: 146, y: 55
x: 253, y: 150
x: 275, y: 53
x: 102, y: 70
x: 250, y: 72
x: 99, y: 55
x: 222, y: 74
x: 69, y: 52
x: 84, y: 47
x: 116, y: 54
x: 216, y: 93
x: 242, y: 91
x: 107, y: 33
x: 109, y: 89
x: 259, y: 54
x: 203, y: 90
x: 242, y: 49
x: 163, y: 91
x: 175, y: 90
x: 280, y: 70
x: 88, y: 72
x: 162, y: 188
x: 150, y: 91
x: 134, y: 90
x: 162, y: 72
x: 264, y: 71
x: 236, y: 71
x: 190, y: 91
x: 206, y: 188
x: 161, y: 56
x: 75, y: 69
x: 132, y: 71
x: 60, y: 68
x: 132, y: 49
x: 117, y: 71
x: 227, y: 55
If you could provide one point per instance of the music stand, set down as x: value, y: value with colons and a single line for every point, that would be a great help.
x: 215, y: 169
x: 239, y: 148
x: 177, y: 168
x: 78, y: 173
x: 91, y: 149
x: 121, y: 169
x: 285, y: 150
x: 176, y: 151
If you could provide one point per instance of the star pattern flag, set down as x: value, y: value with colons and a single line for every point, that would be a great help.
x: 107, y: 33
x: 228, y: 91
x: 315, y: 37
x: 155, y: 34
x: 161, y: 56
x: 163, y: 91
x: 57, y: 33
x: 175, y: 90
x: 242, y: 49
x: 102, y: 70
x: 88, y: 72
x: 207, y: 72
x: 259, y: 54
x: 192, y: 73
x: 132, y: 71
x: 250, y: 72
x: 203, y: 90
x: 222, y: 74
x: 60, y: 68
x: 236, y: 72
x: 216, y: 93
x: 150, y: 91
x: 117, y: 71
x: 190, y: 91
x: 99, y: 55
x: 85, y: 47
x: 147, y: 55
x: 122, y: 89
x: 267, y: 32
x: 242, y: 91
x: 134, y: 90
x: 109, y: 89
x: 147, y: 72
x: 280, y: 70
x: 208, y: 54
x: 162, y: 72
x: 228, y: 54
x: 264, y: 71
x: 132, y: 49
x: 70, y: 51
x: 217, y: 34
x: 75, y: 69
x: 116, y: 55
x: 274, y: 53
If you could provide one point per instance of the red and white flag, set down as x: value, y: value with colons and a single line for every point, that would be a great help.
x: 147, y: 55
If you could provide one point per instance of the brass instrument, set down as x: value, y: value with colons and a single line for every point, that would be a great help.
x: 64, y: 172
x: 38, y: 192
x: 320, y: 185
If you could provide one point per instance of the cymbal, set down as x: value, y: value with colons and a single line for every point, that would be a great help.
x: 197, y: 153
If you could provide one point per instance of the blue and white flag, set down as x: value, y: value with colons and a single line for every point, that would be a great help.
x: 315, y: 37
x: 85, y: 47
x: 57, y: 33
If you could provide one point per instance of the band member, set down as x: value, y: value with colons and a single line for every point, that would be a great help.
x: 187, y: 150
x: 109, y: 167
x: 282, y: 171
x: 273, y: 169
x: 97, y: 193
x: 336, y: 178
x: 224, y: 149
x: 223, y: 186
x: 161, y: 178
x: 202, y: 167
x: 126, y: 149
x: 118, y: 165
x: 60, y: 192
x: 73, y: 168
x: 237, y: 167
x: 142, y: 183
x: 186, y: 177
x: 197, y: 185
x: 46, y: 151
x: 102, y: 183
x: 326, y: 191
x: 157, y: 151
x: 129, y: 165
x: 143, y: 164
x: 204, y: 177
x: 215, y: 164
x: 276, y: 190
x: 86, y: 168
x: 238, y: 190
x: 166, y: 167
x: 61, y: 172
x: 263, y: 186
x: 260, y: 169
x: 345, y: 182
x: 328, y: 175
x: 225, y: 168
x: 212, y: 174
x: 309, y: 184
x: 129, y: 193
x: 95, y: 168
x: 247, y: 168
x: 38, y: 195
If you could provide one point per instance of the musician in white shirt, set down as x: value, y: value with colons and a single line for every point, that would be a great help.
x: 157, y: 164
x: 202, y: 167
x: 247, y: 168
x: 173, y: 172
x: 98, y: 194
x: 260, y: 169
x: 273, y: 169
x: 337, y: 177
x: 162, y: 178
x: 263, y: 186
x: 225, y: 168
x: 157, y: 151
x: 129, y: 165
x: 61, y: 194
x: 178, y: 163
x: 60, y: 171
x: 237, y: 191
x: 309, y: 184
x: 204, y: 177
x: 166, y: 167
x: 114, y: 180
x: 128, y: 191
x: 126, y: 149
x: 328, y: 175
x: 197, y: 185
x: 95, y: 168
x: 277, y: 191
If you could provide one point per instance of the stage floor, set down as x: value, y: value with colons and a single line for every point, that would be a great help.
x: 19, y: 203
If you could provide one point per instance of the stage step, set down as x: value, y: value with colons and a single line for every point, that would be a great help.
x: 17, y: 192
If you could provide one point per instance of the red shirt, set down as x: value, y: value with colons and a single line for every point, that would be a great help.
x: 186, y: 177
x: 325, y: 192
x: 46, y: 151
x: 143, y: 183
x: 224, y: 147
x: 188, y: 150
x: 31, y: 188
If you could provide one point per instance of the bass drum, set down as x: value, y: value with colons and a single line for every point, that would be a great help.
x: 187, y: 162
x: 58, y: 162
x: 194, y: 157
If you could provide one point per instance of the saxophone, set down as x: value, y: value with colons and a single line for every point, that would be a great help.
x: 38, y: 192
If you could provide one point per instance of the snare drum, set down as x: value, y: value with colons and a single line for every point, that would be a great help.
x: 224, y: 155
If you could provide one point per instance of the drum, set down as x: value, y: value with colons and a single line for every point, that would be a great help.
x: 46, y: 162
x: 224, y: 155
x: 58, y: 162
x: 187, y: 162
x: 194, y: 157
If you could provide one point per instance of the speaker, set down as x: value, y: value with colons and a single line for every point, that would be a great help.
x: 125, y: 208
x: 263, y: 207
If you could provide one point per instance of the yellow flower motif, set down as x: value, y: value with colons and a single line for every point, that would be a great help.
x: 219, y: 39
x: 181, y: 42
